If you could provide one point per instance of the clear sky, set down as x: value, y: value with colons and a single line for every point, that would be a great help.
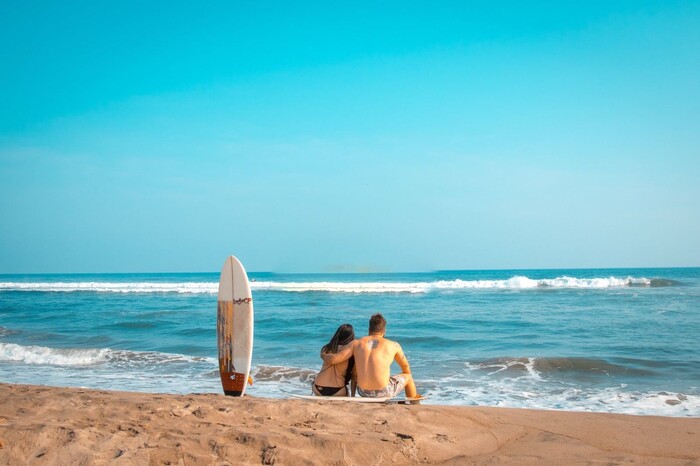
x: 378, y: 136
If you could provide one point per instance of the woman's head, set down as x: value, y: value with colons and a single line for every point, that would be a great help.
x: 344, y: 335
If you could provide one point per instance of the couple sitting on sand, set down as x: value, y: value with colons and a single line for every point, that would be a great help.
x: 365, y: 363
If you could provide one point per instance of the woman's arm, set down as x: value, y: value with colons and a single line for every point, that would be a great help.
x: 353, y: 381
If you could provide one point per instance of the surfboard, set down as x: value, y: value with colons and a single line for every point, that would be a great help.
x: 234, y: 327
x: 359, y: 399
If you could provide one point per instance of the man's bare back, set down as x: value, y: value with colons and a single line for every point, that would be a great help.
x: 373, y: 357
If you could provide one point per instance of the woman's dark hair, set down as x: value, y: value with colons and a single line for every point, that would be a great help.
x: 344, y: 335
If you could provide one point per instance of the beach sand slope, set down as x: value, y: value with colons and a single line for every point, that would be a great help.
x: 64, y: 426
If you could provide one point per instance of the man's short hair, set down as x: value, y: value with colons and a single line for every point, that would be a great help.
x: 377, y: 324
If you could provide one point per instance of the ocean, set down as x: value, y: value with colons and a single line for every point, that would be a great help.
x: 607, y: 340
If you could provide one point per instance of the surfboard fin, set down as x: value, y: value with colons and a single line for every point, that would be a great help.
x: 250, y: 380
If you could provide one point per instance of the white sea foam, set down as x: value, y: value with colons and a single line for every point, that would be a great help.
x: 113, y: 287
x: 343, y: 287
x: 91, y: 356
x: 526, y: 388
x: 282, y: 374
x: 533, y: 393
x: 528, y: 364
x: 51, y: 356
x: 277, y: 381
x: 530, y: 383
x: 509, y: 382
x: 513, y: 283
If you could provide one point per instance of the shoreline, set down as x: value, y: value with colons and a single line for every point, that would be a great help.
x: 55, y: 425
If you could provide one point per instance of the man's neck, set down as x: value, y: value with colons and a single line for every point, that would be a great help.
x: 376, y: 335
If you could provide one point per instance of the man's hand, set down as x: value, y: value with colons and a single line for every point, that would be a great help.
x: 340, y: 356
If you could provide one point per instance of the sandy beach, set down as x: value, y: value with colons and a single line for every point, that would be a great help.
x: 48, y: 425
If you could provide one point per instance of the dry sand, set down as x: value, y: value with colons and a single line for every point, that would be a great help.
x: 63, y: 426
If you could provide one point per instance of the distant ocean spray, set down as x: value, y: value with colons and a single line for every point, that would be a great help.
x: 609, y: 340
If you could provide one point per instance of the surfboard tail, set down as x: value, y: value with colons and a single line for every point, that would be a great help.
x: 233, y: 383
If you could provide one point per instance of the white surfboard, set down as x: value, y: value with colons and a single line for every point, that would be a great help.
x: 360, y: 399
x: 234, y: 327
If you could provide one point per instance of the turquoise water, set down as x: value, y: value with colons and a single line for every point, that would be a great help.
x: 612, y: 340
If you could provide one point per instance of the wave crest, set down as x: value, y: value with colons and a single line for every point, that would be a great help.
x: 513, y: 283
x: 42, y: 355
x: 4, y: 331
x: 263, y: 373
x: 51, y: 356
x: 113, y: 287
x: 538, y: 367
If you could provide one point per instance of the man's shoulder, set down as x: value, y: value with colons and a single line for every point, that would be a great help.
x: 388, y: 340
x: 392, y: 343
x: 384, y: 342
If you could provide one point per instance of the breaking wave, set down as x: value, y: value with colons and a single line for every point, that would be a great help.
x: 51, y: 356
x: 263, y: 373
x: 543, y: 366
x: 42, y: 355
x: 513, y: 283
x: 4, y: 331
x: 113, y: 287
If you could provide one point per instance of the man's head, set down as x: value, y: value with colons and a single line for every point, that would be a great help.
x: 377, y: 324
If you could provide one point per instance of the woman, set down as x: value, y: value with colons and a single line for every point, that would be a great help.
x: 333, y: 379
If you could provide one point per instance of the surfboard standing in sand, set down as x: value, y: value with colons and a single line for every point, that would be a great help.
x: 234, y: 327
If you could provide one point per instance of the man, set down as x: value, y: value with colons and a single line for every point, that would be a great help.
x: 373, y: 357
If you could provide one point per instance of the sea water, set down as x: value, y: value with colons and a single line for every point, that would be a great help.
x: 612, y: 340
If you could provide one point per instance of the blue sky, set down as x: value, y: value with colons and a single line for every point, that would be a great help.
x: 362, y: 137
